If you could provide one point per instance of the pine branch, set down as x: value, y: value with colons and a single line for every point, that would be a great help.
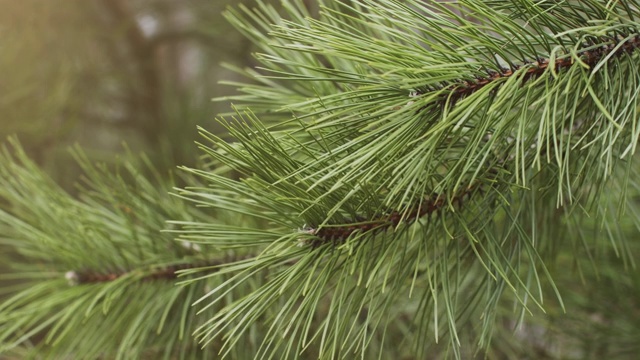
x: 121, y: 301
x: 435, y: 203
x: 368, y: 121
x: 168, y: 273
x: 605, y: 48
x: 378, y: 114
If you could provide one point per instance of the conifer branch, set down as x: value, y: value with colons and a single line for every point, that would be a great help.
x: 590, y: 54
x: 333, y: 233
x: 159, y: 273
x: 358, y: 158
x: 355, y: 162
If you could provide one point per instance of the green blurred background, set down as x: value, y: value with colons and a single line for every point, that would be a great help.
x: 101, y: 73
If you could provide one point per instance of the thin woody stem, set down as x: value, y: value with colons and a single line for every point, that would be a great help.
x: 588, y: 55
x: 159, y: 273
x: 431, y: 205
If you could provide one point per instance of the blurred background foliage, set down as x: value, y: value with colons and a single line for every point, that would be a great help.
x: 101, y: 73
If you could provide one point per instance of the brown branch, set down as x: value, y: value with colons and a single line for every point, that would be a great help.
x: 534, y: 69
x: 160, y: 273
x: 340, y: 232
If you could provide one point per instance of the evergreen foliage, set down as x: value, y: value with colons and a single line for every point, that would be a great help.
x: 400, y: 179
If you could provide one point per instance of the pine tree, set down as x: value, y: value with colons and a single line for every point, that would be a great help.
x: 399, y: 180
